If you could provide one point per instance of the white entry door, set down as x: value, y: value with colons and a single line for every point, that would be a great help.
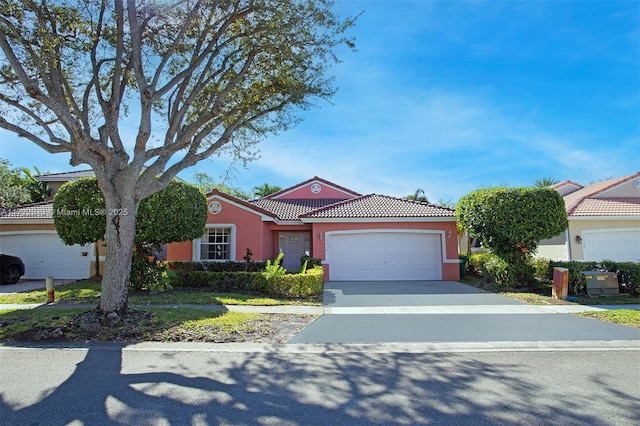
x: 384, y: 255
x: 44, y: 254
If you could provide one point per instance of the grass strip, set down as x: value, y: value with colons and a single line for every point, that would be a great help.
x: 619, y: 316
x: 89, y: 292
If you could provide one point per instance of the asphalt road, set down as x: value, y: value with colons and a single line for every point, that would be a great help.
x: 164, y: 384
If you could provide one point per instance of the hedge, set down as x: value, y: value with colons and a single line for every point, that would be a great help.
x: 210, y: 266
x: 288, y: 285
x: 628, y: 272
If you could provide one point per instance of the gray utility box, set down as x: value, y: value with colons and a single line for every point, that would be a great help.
x: 601, y: 283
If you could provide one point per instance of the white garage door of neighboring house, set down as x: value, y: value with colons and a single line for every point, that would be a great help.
x: 622, y: 245
x: 377, y: 256
x: 45, y: 254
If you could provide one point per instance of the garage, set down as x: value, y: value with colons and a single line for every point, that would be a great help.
x: 621, y: 245
x: 44, y: 254
x: 378, y: 255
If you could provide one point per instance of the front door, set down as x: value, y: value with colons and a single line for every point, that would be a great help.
x: 294, y: 245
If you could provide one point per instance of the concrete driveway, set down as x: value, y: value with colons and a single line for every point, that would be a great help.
x: 444, y: 311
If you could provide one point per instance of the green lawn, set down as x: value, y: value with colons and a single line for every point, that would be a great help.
x: 542, y: 296
x: 619, y: 316
x: 148, y: 324
x: 82, y: 292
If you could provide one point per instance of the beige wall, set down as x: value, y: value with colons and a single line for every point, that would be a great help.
x: 577, y: 226
x: 625, y: 189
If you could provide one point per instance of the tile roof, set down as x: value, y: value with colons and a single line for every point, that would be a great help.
x: 316, y: 178
x: 64, y: 176
x: 583, y: 203
x: 607, y: 207
x: 292, y: 209
x: 566, y: 183
x: 42, y: 210
x: 380, y: 206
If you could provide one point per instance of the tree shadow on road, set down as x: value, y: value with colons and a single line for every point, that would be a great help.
x: 126, y: 385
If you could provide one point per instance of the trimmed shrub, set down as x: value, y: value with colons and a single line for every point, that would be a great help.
x: 285, y: 285
x: 543, y: 271
x: 211, y: 266
x: 628, y: 274
x: 477, y: 261
x: 507, y: 274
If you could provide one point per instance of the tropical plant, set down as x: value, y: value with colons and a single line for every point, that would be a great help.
x: 265, y: 189
x: 39, y: 191
x: 546, y: 181
x: 418, y: 195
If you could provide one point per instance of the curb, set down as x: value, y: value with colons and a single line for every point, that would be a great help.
x: 336, y: 348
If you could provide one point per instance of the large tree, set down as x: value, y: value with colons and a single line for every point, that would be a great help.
x: 197, y: 76
x: 13, y: 188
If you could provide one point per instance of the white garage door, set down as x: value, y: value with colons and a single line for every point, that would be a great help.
x: 378, y: 256
x: 622, y: 245
x: 45, y: 254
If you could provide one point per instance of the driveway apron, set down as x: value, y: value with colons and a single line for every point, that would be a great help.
x: 443, y: 311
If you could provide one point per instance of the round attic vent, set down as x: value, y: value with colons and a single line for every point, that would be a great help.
x: 316, y: 188
x: 214, y: 207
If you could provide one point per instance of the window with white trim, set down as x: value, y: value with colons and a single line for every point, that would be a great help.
x: 215, y: 244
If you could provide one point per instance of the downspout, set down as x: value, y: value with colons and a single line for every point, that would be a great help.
x: 568, y: 238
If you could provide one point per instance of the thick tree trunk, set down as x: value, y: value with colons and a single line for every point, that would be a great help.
x: 120, y: 238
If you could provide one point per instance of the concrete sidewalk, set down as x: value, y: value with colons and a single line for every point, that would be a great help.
x: 476, y: 309
x: 319, y: 310
x: 277, y: 309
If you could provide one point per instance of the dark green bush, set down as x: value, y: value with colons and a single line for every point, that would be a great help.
x: 144, y: 275
x: 312, y: 262
x: 286, y: 285
x: 507, y: 274
x: 628, y: 274
x: 210, y: 266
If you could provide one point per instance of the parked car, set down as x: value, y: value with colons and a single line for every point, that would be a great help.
x: 11, y: 269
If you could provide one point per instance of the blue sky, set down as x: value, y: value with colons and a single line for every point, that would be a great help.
x: 451, y: 96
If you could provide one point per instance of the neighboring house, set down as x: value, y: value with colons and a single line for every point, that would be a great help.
x: 604, y: 221
x: 358, y: 237
x: 28, y: 232
x: 55, y: 180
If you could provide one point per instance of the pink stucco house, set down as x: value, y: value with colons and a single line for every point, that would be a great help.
x: 358, y: 237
